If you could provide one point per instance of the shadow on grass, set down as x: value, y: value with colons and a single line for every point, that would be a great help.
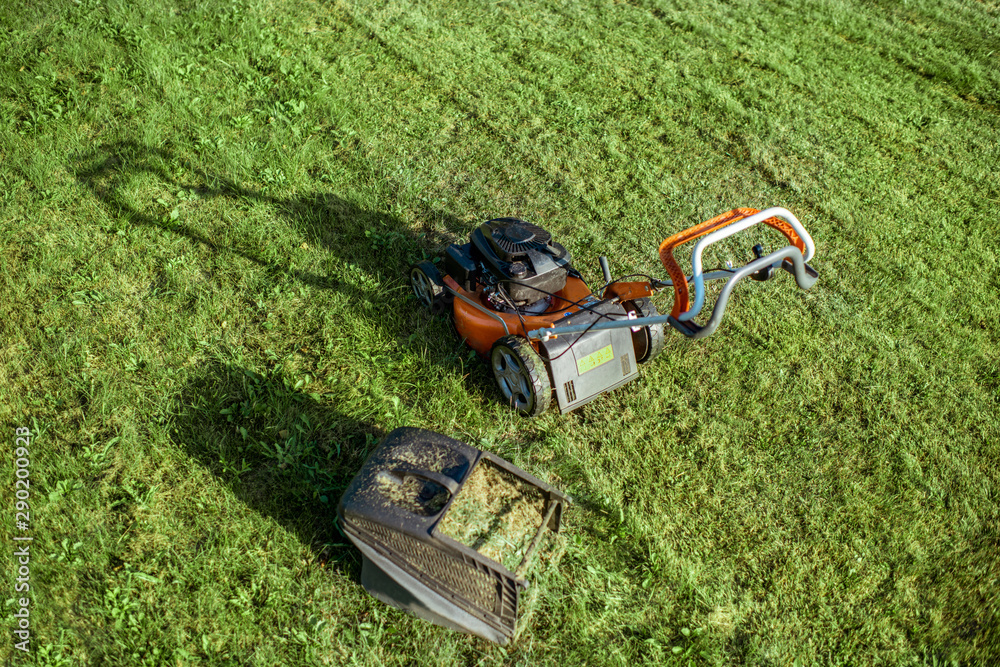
x: 376, y: 243
x: 285, y: 454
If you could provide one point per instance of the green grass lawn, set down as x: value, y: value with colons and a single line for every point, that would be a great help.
x: 207, y: 211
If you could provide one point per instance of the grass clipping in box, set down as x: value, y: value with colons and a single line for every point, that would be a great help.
x: 496, y: 514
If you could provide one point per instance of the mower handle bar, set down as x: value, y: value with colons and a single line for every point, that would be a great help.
x: 727, y: 231
x: 805, y: 276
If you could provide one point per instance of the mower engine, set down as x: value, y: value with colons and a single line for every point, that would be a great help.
x: 512, y: 277
x: 518, y: 264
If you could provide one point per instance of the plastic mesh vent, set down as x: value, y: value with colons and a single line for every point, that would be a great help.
x: 445, y: 572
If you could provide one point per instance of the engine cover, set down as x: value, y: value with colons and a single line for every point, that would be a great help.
x: 522, y: 258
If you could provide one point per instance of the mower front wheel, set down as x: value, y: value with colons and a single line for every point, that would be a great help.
x: 521, y: 375
x: 428, y: 286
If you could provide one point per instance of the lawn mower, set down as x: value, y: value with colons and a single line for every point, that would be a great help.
x: 515, y: 298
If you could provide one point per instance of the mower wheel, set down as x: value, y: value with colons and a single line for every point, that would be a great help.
x: 648, y: 341
x: 428, y: 286
x: 521, y: 375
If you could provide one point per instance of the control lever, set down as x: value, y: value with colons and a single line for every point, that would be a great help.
x: 767, y: 272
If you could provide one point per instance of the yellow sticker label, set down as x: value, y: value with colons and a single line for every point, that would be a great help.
x: 595, y: 359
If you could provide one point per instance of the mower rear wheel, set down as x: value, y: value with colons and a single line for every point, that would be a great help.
x: 648, y: 341
x: 428, y: 286
x: 521, y: 375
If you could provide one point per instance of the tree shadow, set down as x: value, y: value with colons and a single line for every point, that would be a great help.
x: 374, y: 242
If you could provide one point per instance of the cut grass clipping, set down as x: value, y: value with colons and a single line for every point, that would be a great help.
x: 412, y: 494
x: 495, y: 513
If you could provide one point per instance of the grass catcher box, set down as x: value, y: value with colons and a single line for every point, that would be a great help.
x: 447, y: 530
